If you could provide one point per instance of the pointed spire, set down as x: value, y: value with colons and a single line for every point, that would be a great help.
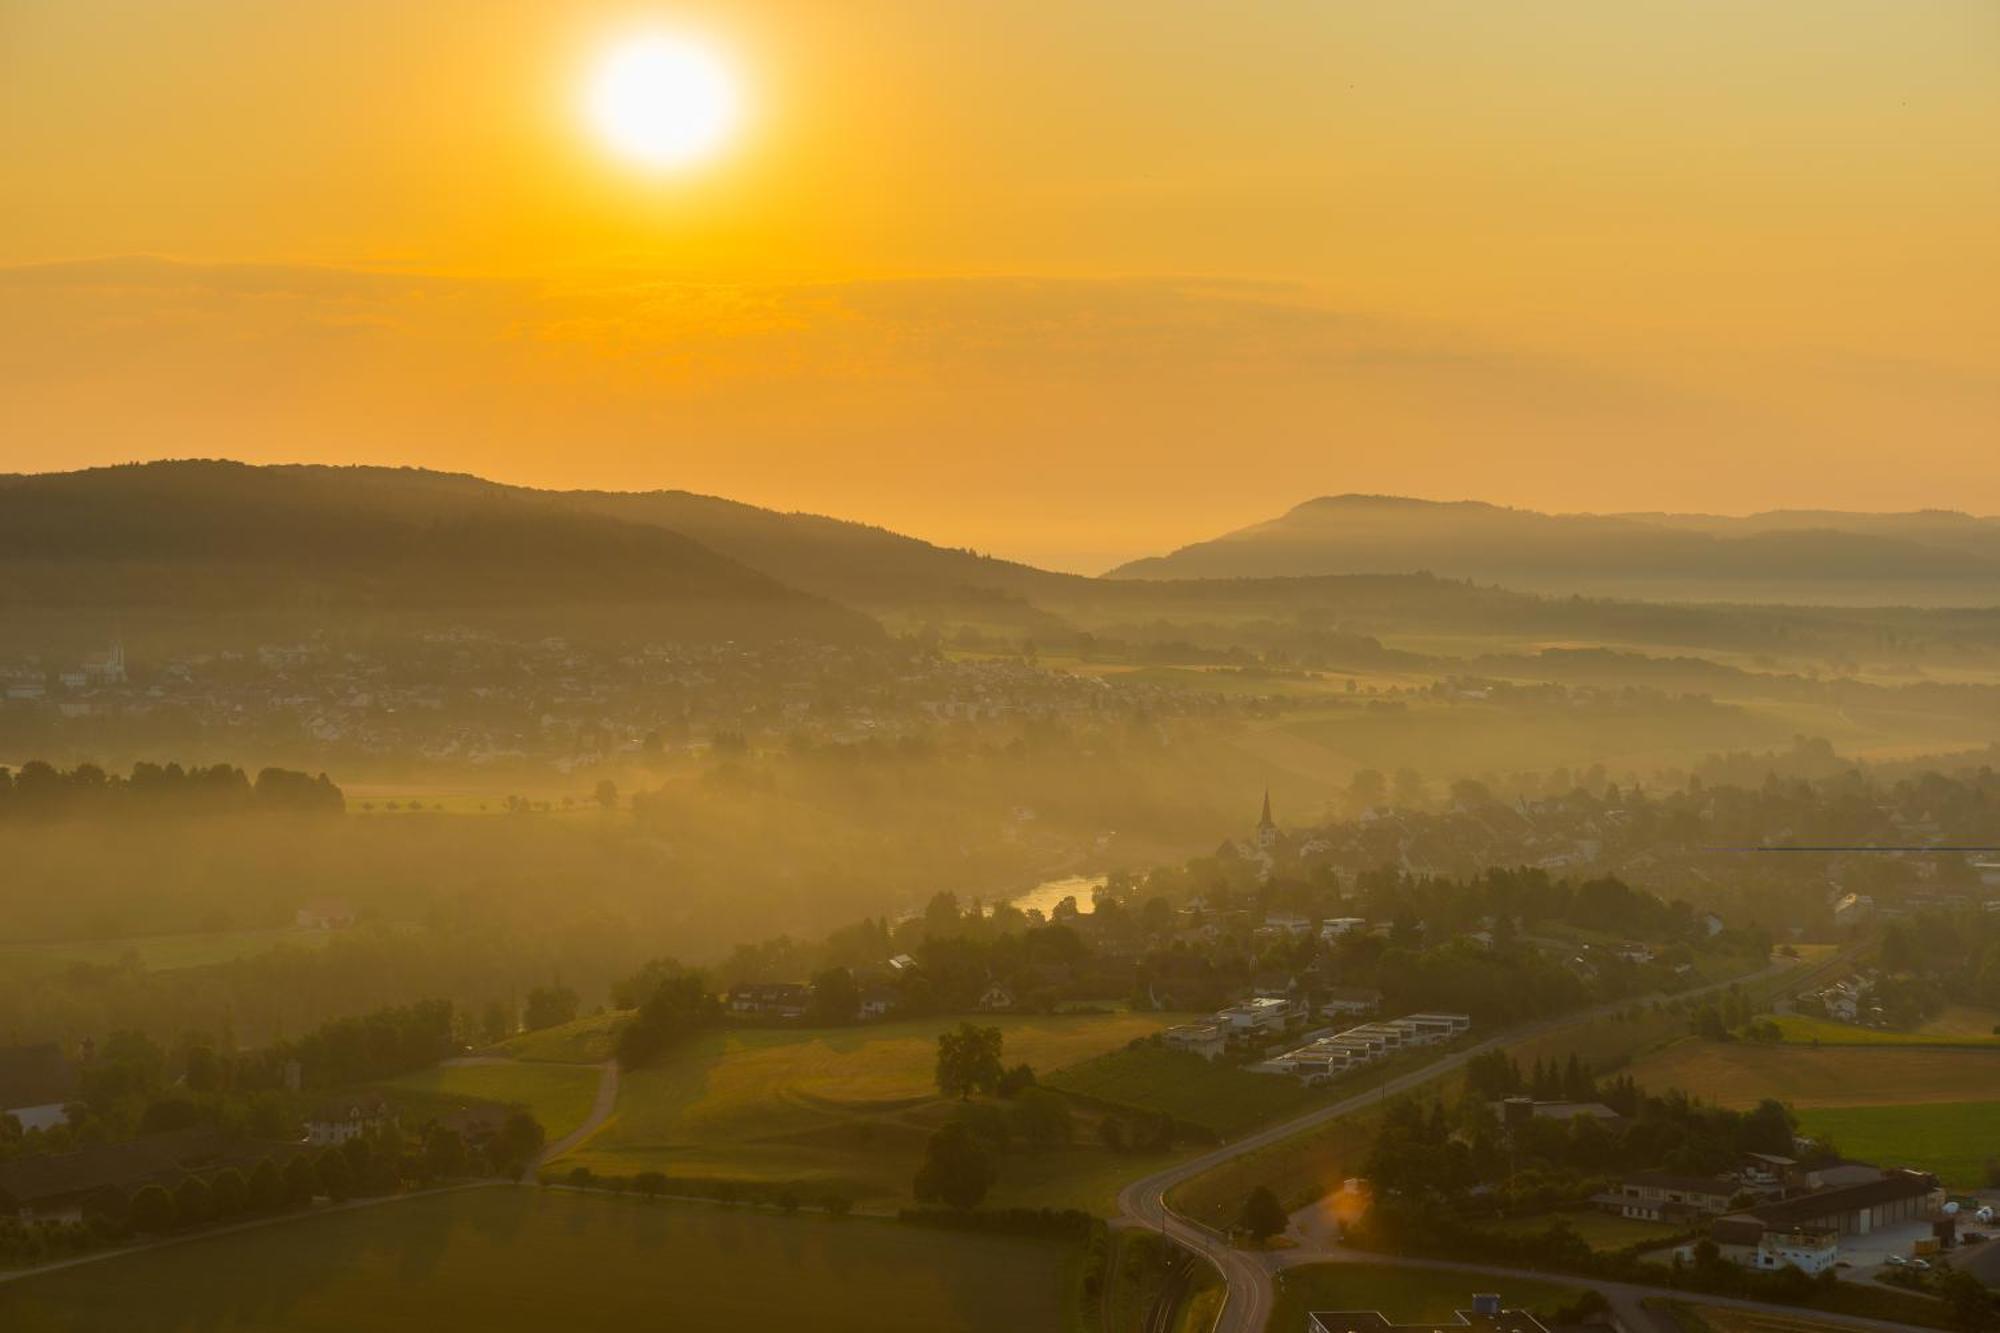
x: 1265, y: 821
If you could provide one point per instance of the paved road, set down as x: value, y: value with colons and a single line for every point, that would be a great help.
x: 1250, y: 1274
x: 600, y: 1111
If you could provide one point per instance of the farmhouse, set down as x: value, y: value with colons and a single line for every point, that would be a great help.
x: 1487, y: 1313
x: 1347, y: 1001
x: 1658, y: 1196
x: 1334, y: 927
x: 879, y: 1002
x: 1517, y: 1110
x: 1265, y: 1014
x: 324, y: 914
x: 778, y: 999
x: 1286, y: 923
x: 1850, y: 1210
x: 1208, y: 1040
x: 36, y: 1085
x: 997, y: 996
x: 337, y: 1122
x: 1744, y: 1240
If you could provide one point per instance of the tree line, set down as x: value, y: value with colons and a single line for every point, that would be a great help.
x: 41, y: 790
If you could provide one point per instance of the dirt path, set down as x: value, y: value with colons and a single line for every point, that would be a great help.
x: 600, y: 1112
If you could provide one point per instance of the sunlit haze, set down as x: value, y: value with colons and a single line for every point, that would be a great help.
x: 999, y: 666
x: 1562, y: 254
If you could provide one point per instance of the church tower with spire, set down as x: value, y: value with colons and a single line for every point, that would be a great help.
x: 1267, y: 828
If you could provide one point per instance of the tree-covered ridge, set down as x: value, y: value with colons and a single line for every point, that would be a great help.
x: 215, y: 538
x: 40, y: 790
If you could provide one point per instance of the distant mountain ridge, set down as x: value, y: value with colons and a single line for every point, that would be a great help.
x: 1373, y: 534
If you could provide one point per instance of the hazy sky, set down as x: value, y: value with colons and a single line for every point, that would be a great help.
x: 1067, y: 280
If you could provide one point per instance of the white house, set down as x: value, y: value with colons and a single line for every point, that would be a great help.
x: 1208, y: 1040
x: 337, y: 1122
x: 36, y: 1085
x: 1287, y: 923
x: 1265, y: 1014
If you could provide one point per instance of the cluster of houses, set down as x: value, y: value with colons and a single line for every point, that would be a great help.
x: 99, y: 1179
x: 1327, y: 1054
x: 1772, y: 1213
x: 1320, y: 1055
x: 460, y: 696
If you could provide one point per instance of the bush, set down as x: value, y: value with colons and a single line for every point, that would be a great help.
x: 152, y: 1210
x: 194, y: 1202
x: 231, y: 1192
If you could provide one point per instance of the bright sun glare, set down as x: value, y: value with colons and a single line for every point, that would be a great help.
x: 663, y: 100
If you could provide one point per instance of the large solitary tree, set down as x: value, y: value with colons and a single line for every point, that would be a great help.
x: 956, y: 1171
x: 968, y: 1061
x: 1263, y: 1216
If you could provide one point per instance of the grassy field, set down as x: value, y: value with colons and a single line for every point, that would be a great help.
x: 1955, y: 1140
x: 506, y: 1259
x: 1299, y: 1169
x: 557, y: 1095
x: 1803, y: 1031
x: 590, y: 1040
x: 1404, y: 1295
x: 1219, y: 1097
x: 1715, y: 1319
x: 846, y: 1109
x: 1739, y: 1074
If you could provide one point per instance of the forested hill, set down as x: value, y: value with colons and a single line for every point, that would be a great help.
x: 197, y: 538
x: 1364, y: 534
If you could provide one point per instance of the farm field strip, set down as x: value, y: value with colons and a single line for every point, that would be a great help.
x: 511, y: 1259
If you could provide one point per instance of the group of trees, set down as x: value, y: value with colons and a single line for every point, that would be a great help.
x: 40, y: 791
x: 133, y: 1085
x: 379, y: 1162
x: 959, y: 1161
x: 673, y: 1005
x: 1437, y: 1155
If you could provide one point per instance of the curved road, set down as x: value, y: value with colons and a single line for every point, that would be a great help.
x: 1250, y: 1274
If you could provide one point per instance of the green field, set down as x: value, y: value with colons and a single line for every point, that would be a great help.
x: 1955, y: 1140
x: 514, y: 1258
x: 1299, y: 1169
x: 1804, y: 1031
x: 846, y: 1109
x: 590, y: 1040
x: 557, y: 1095
x: 1219, y: 1097
x: 1404, y: 1295
x: 1739, y: 1074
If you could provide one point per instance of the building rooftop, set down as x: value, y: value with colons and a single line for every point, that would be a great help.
x: 1786, y: 1214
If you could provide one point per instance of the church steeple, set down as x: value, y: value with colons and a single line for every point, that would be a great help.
x: 1264, y: 820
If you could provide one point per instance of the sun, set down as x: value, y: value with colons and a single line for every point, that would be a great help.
x: 663, y: 100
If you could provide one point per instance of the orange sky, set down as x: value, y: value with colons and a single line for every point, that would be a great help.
x: 1066, y: 281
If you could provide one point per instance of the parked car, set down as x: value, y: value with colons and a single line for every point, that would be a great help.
x: 1921, y: 1265
x: 1897, y: 1261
